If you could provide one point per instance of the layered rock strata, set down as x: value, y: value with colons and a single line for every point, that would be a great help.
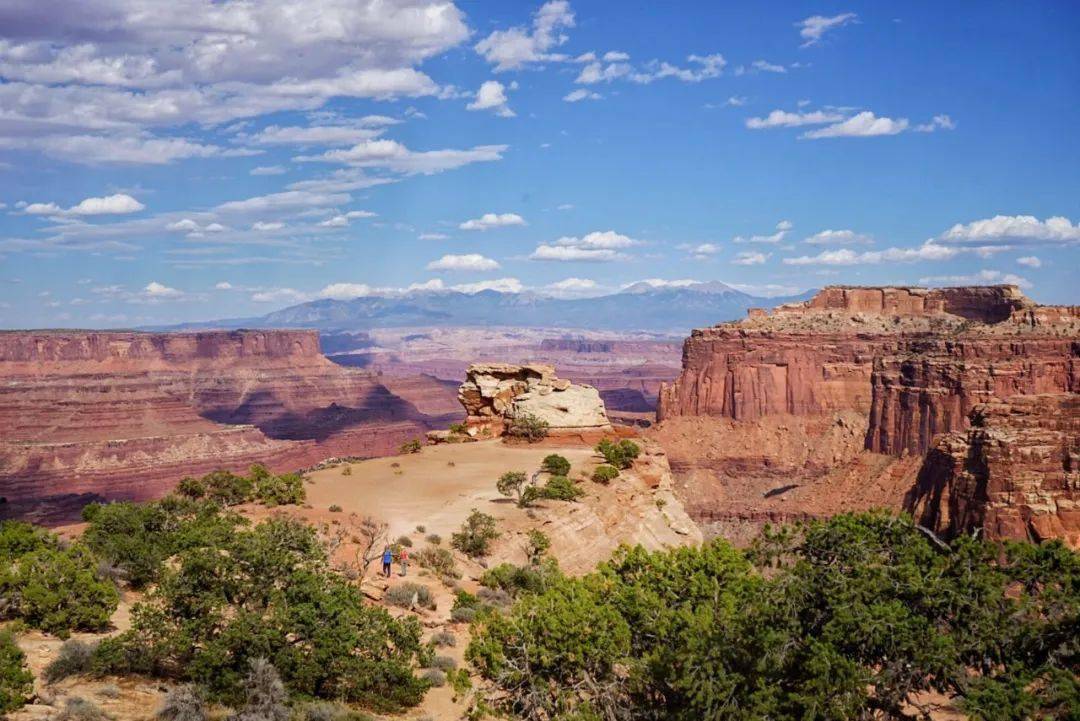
x: 125, y: 414
x: 912, y: 363
x: 495, y: 395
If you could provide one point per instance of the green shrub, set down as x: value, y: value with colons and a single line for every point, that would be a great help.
x: 556, y: 465
x: 621, y: 454
x: 408, y: 595
x: 18, y: 539
x: 327, y: 711
x: 268, y: 592
x: 529, y: 427
x: 459, y: 428
x: 859, y: 616
x: 434, y: 539
x: 434, y: 676
x: 462, y: 615
x: 192, y: 488
x: 537, y: 545
x: 439, y: 561
x: 511, y: 484
x: 335, y: 508
x: 58, y: 590
x: 561, y: 488
x: 74, y: 658
x: 287, y: 489
x: 346, y: 470
x: 476, y: 534
x: 444, y: 663
x: 16, y: 681
x: 404, y: 541
x: 227, y: 488
x: 421, y: 528
x: 605, y: 474
x: 412, y: 446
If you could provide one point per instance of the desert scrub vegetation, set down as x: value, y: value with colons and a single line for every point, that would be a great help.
x: 75, y: 657
x: 559, y: 488
x: 52, y: 586
x: 855, y: 617
x: 556, y: 465
x: 512, y: 485
x: 440, y: 561
x: 529, y: 428
x: 267, y: 591
x: 605, y: 474
x: 621, y: 455
x: 410, y: 595
x: 476, y: 534
x: 16, y: 681
x: 412, y: 446
x: 260, y: 485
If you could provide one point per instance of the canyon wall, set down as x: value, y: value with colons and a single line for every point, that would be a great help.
x: 126, y: 415
x: 910, y: 363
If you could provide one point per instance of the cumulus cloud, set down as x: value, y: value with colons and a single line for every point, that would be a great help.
x: 395, y: 157
x: 224, y: 285
x: 500, y: 285
x: 596, y: 247
x: 983, y: 277
x: 785, y: 119
x: 580, y: 94
x: 573, y: 288
x: 699, y: 68
x: 861, y: 125
x: 751, y: 257
x: 264, y: 226
x: 154, y: 289
x: 838, y: 237
x: 782, y: 229
x: 341, y: 220
x: 813, y: 28
x: 1013, y: 230
x: 766, y: 67
x: 117, y: 68
x: 118, y: 204
x: 267, y: 170
x: 702, y: 251
x: 492, y: 96
x: 845, y: 256
x: 487, y: 221
x: 1030, y: 261
x: 939, y: 122
x: 520, y: 46
x: 466, y: 262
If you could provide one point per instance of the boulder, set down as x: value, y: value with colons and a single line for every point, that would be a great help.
x: 495, y: 394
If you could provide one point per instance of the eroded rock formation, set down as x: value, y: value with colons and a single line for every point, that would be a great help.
x: 126, y: 415
x: 495, y: 394
x: 912, y: 363
x: 1015, y: 473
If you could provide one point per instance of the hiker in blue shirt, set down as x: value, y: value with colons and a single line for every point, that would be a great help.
x: 387, y: 561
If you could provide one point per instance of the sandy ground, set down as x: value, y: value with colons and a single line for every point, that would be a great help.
x: 436, y: 488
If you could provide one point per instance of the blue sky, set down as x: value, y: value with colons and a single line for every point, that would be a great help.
x: 198, y: 160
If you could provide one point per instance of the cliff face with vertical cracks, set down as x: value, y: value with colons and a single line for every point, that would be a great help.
x: 125, y: 415
x: 909, y: 363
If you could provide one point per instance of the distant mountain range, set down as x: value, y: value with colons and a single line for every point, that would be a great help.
x: 642, y: 306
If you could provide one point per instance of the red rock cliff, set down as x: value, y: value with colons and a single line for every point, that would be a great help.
x: 913, y: 362
x: 126, y: 415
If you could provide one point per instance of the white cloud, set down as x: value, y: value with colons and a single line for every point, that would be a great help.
x: 267, y: 170
x: 751, y: 257
x: 845, y: 256
x: 862, y: 125
x: 782, y: 229
x: 565, y: 206
x: 288, y: 200
x: 466, y: 262
x: 342, y: 219
x: 813, y: 28
x: 766, y: 67
x: 614, y: 56
x: 433, y: 236
x: 568, y: 254
x: 487, y: 221
x: 118, y: 204
x: 501, y: 285
x: 154, y: 289
x: 224, y: 285
x: 939, y: 122
x: 702, y: 250
x: 983, y: 277
x: 736, y: 101
x: 663, y: 283
x: 597, y: 73
x: 1013, y: 229
x: 280, y: 295
x: 784, y: 119
x: 573, y: 288
x: 580, y: 94
x: 837, y: 237
x: 263, y: 226
x: 1030, y: 261
x: 599, y: 239
x: 517, y: 47
x: 492, y: 96
x: 122, y: 149
x: 313, y: 135
x: 394, y: 156
x: 346, y: 291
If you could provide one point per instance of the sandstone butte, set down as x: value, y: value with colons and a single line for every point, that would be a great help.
x: 125, y: 414
x: 958, y: 404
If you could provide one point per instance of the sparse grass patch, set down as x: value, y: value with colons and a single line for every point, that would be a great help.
x: 408, y: 595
